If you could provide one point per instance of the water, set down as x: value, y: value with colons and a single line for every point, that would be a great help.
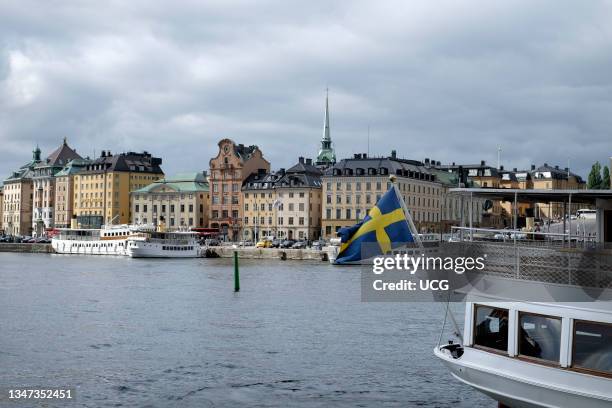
x: 166, y: 333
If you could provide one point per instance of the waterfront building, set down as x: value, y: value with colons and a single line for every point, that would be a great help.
x: 178, y: 203
x: 1, y: 208
x: 18, y: 198
x: 548, y: 177
x: 64, y: 192
x: 43, y: 178
x: 327, y: 155
x: 233, y: 164
x: 285, y: 204
x: 352, y: 186
x: 102, y: 189
x: 484, y: 176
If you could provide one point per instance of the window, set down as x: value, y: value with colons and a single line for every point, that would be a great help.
x: 491, y: 327
x: 592, y: 346
x: 539, y: 337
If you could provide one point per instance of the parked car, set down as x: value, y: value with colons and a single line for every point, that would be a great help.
x: 5, y: 238
x: 299, y: 245
x: 276, y: 243
x: 246, y: 243
x: 287, y: 243
x: 212, y: 242
x: 264, y: 243
x: 318, y: 245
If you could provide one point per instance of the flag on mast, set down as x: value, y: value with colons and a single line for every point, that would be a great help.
x: 387, y: 224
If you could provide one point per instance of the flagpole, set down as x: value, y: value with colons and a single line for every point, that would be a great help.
x: 400, y: 198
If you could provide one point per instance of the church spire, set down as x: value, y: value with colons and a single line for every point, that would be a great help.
x: 326, y: 154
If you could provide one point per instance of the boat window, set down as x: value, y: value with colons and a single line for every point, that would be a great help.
x: 491, y: 327
x: 593, y: 346
x: 539, y: 336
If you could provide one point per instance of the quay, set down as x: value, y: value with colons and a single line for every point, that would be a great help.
x: 265, y: 253
x: 29, y: 248
x: 225, y: 251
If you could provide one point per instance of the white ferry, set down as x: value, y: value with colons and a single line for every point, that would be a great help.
x: 526, y: 353
x: 154, y: 244
x: 105, y: 241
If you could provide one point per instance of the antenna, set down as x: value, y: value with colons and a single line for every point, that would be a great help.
x: 499, y: 149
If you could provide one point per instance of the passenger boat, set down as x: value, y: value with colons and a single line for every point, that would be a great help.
x: 156, y: 244
x: 526, y: 353
x: 105, y: 241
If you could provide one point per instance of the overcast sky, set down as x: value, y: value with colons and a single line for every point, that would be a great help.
x: 448, y: 80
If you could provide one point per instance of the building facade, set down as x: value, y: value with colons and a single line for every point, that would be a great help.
x: 43, y: 178
x: 1, y: 209
x: 553, y: 177
x: 64, y: 192
x: 352, y: 186
x: 177, y: 203
x: 233, y: 164
x: 286, y: 204
x: 18, y: 199
x: 102, y: 189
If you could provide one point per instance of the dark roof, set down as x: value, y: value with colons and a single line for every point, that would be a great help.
x: 305, y: 166
x: 382, y: 166
x: 301, y: 175
x: 555, y: 171
x: 244, y: 152
x: 479, y: 170
x: 132, y: 162
x: 61, y: 156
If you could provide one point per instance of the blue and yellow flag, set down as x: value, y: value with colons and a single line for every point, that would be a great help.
x: 385, y: 224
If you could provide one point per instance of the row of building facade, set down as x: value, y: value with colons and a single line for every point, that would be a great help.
x: 240, y: 198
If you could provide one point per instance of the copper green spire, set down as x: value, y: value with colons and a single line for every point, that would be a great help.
x: 326, y: 154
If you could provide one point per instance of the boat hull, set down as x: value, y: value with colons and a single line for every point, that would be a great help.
x: 519, y: 384
x: 158, y: 250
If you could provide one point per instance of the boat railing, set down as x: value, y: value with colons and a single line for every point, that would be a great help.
x: 536, y: 256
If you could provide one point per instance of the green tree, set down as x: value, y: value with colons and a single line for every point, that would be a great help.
x: 605, y: 182
x: 594, y: 181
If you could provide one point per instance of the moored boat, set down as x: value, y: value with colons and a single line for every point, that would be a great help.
x: 104, y: 241
x: 155, y: 244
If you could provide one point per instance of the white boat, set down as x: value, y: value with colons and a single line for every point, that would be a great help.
x: 525, y: 353
x: 153, y: 244
x: 528, y: 355
x: 105, y: 241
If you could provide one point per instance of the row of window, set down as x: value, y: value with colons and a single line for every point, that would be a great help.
x: 281, y: 220
x: 348, y: 186
x: 539, y: 338
x: 145, y: 208
x: 177, y: 248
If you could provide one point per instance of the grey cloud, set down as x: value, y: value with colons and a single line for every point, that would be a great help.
x: 446, y: 80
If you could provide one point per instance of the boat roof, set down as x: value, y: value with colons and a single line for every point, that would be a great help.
x: 536, y: 195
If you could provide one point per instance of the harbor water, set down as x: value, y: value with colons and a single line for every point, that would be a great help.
x: 166, y: 333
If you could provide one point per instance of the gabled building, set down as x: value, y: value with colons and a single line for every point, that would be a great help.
x: 176, y: 203
x: 233, y: 164
x: 18, y: 198
x: 548, y: 177
x: 102, y: 189
x: 285, y: 204
x: 43, y: 178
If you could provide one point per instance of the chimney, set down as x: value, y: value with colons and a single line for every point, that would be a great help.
x: 557, y: 167
x: 281, y: 171
x: 309, y: 162
x: 301, y: 159
x: 103, y: 154
x: 393, y: 154
x: 427, y: 161
x: 502, y: 168
x: 515, y: 169
x: 482, y: 162
x: 566, y: 169
x: 533, y: 167
x: 453, y: 163
x: 545, y: 164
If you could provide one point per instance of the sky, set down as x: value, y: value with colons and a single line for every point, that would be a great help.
x: 446, y: 80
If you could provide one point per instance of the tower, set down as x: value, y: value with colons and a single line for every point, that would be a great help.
x: 326, y: 155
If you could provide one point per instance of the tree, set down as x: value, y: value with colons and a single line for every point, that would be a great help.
x: 594, y: 181
x: 605, y: 182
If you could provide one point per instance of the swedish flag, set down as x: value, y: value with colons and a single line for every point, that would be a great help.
x: 385, y: 224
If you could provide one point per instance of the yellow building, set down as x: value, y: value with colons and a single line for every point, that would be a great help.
x: 352, y: 186
x: 178, y: 203
x: 102, y: 190
x: 285, y: 204
x: 64, y: 192
x: 1, y: 207
x: 233, y: 164
x: 18, y: 199
x: 554, y: 178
